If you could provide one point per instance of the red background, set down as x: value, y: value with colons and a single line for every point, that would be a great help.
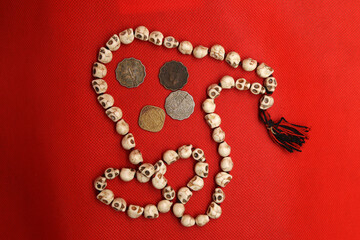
x: 55, y: 137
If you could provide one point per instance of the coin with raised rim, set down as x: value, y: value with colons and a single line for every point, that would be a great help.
x: 152, y: 118
x: 173, y: 75
x: 179, y: 105
x: 130, y: 72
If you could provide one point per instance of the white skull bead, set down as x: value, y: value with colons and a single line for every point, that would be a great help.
x: 264, y: 70
x: 187, y: 221
x: 168, y: 193
x: 270, y: 84
x: 160, y: 167
x: 222, y: 179
x: 218, y: 52
x: 200, y: 51
x: 100, y: 183
x: 122, y: 127
x: 196, y: 183
x: 242, y: 84
x: 99, y: 70
x: 119, y: 204
x: 170, y: 156
x: 218, y: 195
x: 198, y: 155
x: 135, y: 211
x: 213, y: 120
x: 128, y: 141
x: 164, y: 206
x: 226, y: 164
x: 224, y: 149
x: 178, y: 209
x: 127, y: 36
x: 185, y: 47
x: 266, y: 102
x: 135, y: 157
x: 227, y: 82
x: 233, y: 59
x: 142, y: 33
x: 185, y: 151
x: 184, y: 194
x: 127, y: 174
x: 214, y: 210
x: 202, y: 169
x: 99, y: 85
x: 257, y: 88
x: 209, y: 105
x: 214, y: 90
x: 218, y: 135
x: 249, y: 64
x: 114, y: 113
x: 111, y: 173
x: 201, y: 220
x: 106, y: 100
x: 105, y: 55
x: 159, y: 181
x: 151, y: 211
x: 141, y: 178
x: 147, y: 169
x: 156, y: 38
x: 171, y: 42
x: 114, y: 43
x: 105, y: 196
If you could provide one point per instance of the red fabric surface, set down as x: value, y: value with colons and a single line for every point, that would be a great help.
x: 56, y: 139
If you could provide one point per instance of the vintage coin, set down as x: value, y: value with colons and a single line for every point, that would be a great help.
x: 179, y: 105
x: 130, y: 72
x: 173, y: 75
x: 152, y: 118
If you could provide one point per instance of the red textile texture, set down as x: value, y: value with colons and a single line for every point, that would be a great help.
x: 56, y: 139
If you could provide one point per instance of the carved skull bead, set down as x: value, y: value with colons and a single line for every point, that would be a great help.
x: 105, y: 196
x: 257, y: 88
x: 214, y: 90
x: 198, y: 155
x: 196, y: 183
x: 185, y: 151
x: 135, y: 211
x: 147, y: 169
x: 128, y: 141
x: 171, y: 42
x: 127, y: 174
x: 178, y: 209
x: 142, y: 33
x: 209, y: 105
x: 213, y: 120
x: 202, y: 169
x: 270, y: 84
x: 151, y: 211
x: 233, y: 59
x: 266, y: 102
x: 227, y: 82
x: 184, y: 194
x: 214, y: 210
x: 105, y: 55
x: 122, y: 127
x: 135, y: 157
x: 201, y: 220
x: 99, y: 85
x: 224, y: 149
x: 164, y: 206
x: 226, y: 164
x: 106, y: 100
x: 264, y: 71
x: 100, y: 183
x: 114, y: 113
x: 156, y: 38
x: 218, y: 52
x: 159, y: 181
x: 168, y: 193
x: 242, y: 84
x: 99, y: 70
x: 249, y: 64
x: 114, y: 43
x: 111, y: 173
x: 218, y: 195
x: 127, y: 36
x: 187, y: 221
x: 141, y: 178
x: 218, y: 135
x: 200, y: 51
x: 119, y: 204
x: 170, y: 156
x: 160, y: 167
x: 222, y: 179
x: 185, y: 47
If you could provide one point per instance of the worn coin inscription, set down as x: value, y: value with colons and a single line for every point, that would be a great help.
x: 173, y: 75
x: 152, y: 118
x: 179, y: 105
x: 130, y: 72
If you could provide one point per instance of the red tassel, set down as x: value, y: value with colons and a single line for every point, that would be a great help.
x: 287, y: 135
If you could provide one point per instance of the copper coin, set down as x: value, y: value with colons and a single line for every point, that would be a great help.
x: 152, y: 118
x: 130, y: 72
x: 179, y: 105
x: 173, y: 75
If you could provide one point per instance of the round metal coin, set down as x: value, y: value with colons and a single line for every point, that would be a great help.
x: 179, y: 105
x: 152, y: 118
x: 173, y: 75
x: 130, y: 72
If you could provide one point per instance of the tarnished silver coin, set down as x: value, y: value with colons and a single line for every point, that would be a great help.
x: 179, y: 105
x: 130, y: 72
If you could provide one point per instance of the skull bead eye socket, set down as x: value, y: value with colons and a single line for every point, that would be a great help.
x: 256, y: 86
x: 207, y: 168
x: 139, y: 36
x: 196, y: 155
x: 199, y: 151
x: 266, y: 100
x: 270, y: 80
x: 110, y: 42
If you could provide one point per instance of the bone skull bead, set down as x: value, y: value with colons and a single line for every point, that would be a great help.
x: 141, y: 178
x: 100, y: 183
x: 105, y: 55
x: 201, y: 220
x: 222, y: 179
x: 214, y: 210
x: 202, y: 169
x: 122, y: 127
x: 147, y: 169
x: 224, y: 149
x: 135, y: 157
x: 114, y: 113
x: 164, y: 206
x: 218, y: 52
x: 106, y: 100
x: 185, y: 47
x: 119, y: 204
x: 168, y: 193
x: 209, y: 105
x: 171, y: 42
x: 242, y: 84
x: 227, y: 82
x: 111, y: 173
x: 99, y: 70
x: 160, y: 167
x: 257, y: 88
x: 187, y: 221
x: 184, y: 194
x: 218, y: 195
x: 105, y: 196
x: 214, y: 90
x: 213, y: 120
x: 142, y: 33
x: 198, y: 155
x: 127, y: 36
x: 128, y: 141
x: 159, y: 181
x: 264, y: 70
x: 156, y: 38
x: 178, y: 209
x: 266, y: 102
x: 99, y: 85
x: 200, y: 51
x: 233, y: 59
x: 270, y: 84
x: 218, y: 135
x: 249, y: 64
x: 196, y: 183
x: 135, y: 211
x: 114, y: 43
x: 185, y: 151
x: 151, y: 211
x: 226, y: 164
x: 170, y: 156
x: 127, y: 174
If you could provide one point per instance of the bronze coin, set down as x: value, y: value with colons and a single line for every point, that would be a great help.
x: 130, y: 72
x: 173, y: 75
x: 152, y: 118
